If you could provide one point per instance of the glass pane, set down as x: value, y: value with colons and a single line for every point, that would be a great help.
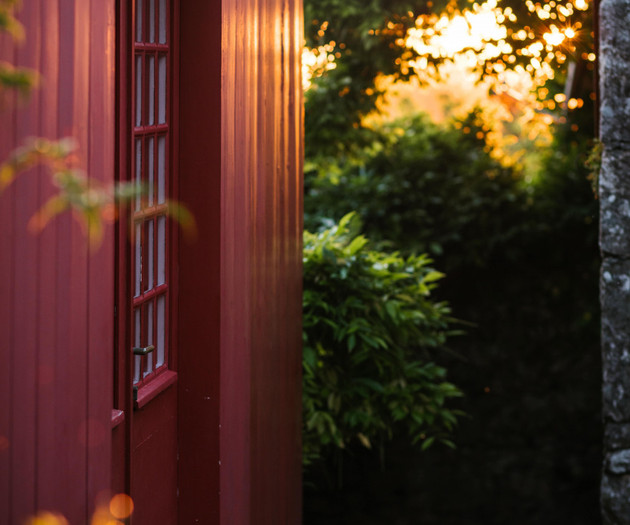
x: 151, y: 90
x: 138, y: 90
x: 161, y: 330
x: 136, y: 342
x: 149, y: 261
x: 149, y: 339
x: 139, y: 14
x: 138, y: 173
x: 162, y: 89
x: 151, y: 20
x: 161, y: 250
x: 162, y: 35
x: 138, y: 263
x: 161, y: 171
x: 150, y: 189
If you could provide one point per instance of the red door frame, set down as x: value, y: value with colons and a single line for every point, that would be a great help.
x: 197, y: 447
x: 123, y: 399
x: 124, y: 402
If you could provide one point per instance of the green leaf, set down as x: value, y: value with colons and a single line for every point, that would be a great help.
x: 427, y: 443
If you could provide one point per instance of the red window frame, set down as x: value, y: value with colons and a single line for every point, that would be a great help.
x: 152, y: 47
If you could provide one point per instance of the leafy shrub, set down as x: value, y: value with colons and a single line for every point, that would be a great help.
x: 430, y: 188
x: 522, y: 265
x: 370, y: 327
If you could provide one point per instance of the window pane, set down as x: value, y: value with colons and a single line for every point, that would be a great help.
x: 162, y: 35
x: 138, y: 90
x: 138, y: 262
x: 161, y: 327
x: 149, y: 261
x: 162, y: 89
x: 149, y: 338
x: 139, y: 15
x: 161, y: 250
x: 150, y: 169
x: 161, y: 171
x: 151, y: 20
x: 136, y: 343
x: 138, y: 173
x: 151, y: 90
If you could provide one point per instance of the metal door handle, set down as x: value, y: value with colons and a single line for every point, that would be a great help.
x: 143, y: 350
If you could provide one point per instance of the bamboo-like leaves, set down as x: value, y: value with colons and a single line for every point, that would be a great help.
x: 370, y: 333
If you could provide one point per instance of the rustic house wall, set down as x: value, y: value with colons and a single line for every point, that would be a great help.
x: 614, y: 190
x: 239, y: 308
x: 56, y: 300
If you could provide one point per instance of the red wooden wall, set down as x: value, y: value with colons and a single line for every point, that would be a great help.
x: 261, y: 206
x: 246, y: 316
x: 239, y: 306
x: 56, y: 301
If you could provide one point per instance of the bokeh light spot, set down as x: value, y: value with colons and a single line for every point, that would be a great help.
x: 47, y: 518
x: 121, y: 506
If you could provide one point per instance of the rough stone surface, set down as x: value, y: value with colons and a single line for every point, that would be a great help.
x: 615, y: 302
x: 615, y: 501
x: 614, y: 191
x: 614, y: 63
x: 614, y: 70
x: 617, y: 436
x: 618, y: 462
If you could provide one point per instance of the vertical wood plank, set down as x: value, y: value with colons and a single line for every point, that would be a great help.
x: 233, y: 477
x: 261, y: 76
x: 100, y: 332
x: 65, y: 431
x: 199, y: 301
x: 79, y: 286
x: 235, y: 381
x: 71, y: 434
x: 24, y: 385
x: 296, y: 116
x: 7, y: 205
x: 48, y: 473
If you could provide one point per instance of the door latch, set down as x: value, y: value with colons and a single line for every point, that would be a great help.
x: 143, y: 350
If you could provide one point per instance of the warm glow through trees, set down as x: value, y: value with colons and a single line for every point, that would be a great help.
x: 526, y: 63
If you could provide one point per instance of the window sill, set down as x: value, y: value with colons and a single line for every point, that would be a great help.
x: 158, y: 385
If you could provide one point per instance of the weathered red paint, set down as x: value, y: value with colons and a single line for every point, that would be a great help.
x: 57, y: 334
x: 235, y: 420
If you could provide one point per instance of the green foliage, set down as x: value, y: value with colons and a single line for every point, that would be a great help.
x: 370, y: 329
x: 92, y: 203
x: 368, y: 41
x: 428, y: 188
x: 522, y: 265
x: 20, y: 79
x: 594, y: 164
x: 8, y: 22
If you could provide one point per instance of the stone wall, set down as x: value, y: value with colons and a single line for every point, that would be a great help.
x: 614, y: 188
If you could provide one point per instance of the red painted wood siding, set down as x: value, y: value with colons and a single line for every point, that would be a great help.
x: 56, y: 299
x: 240, y: 171
x: 261, y: 261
